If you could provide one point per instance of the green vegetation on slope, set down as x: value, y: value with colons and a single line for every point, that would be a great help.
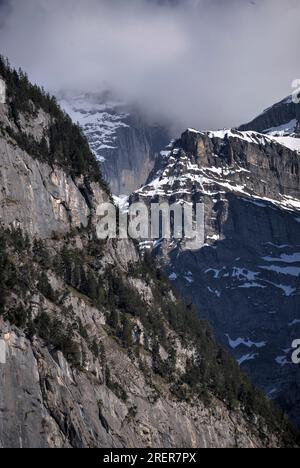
x: 63, y: 143
x: 25, y: 268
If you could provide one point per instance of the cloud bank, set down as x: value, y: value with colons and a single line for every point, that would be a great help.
x: 201, y: 63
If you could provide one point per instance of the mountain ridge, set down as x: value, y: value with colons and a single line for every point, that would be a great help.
x: 281, y: 118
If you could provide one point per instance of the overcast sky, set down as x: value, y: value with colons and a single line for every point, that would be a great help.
x: 203, y: 63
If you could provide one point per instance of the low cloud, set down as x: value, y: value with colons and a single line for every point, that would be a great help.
x: 205, y: 64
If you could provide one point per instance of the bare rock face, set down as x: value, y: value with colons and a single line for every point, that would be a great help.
x: 245, y: 279
x: 45, y: 403
x: 281, y: 119
x: 25, y: 421
x: 37, y: 198
x: 125, y: 142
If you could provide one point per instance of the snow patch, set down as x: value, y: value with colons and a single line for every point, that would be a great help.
x: 282, y: 361
x: 189, y: 277
x: 173, y: 277
x: 247, y: 357
x: 234, y: 344
x: 289, y: 142
x: 215, y: 292
x: 252, y: 285
x: 214, y: 271
x: 288, y: 290
x: 260, y: 138
x: 99, y: 121
x: 289, y: 271
x: 282, y: 130
x: 285, y: 258
x: 122, y: 202
x: 294, y: 322
x: 241, y: 273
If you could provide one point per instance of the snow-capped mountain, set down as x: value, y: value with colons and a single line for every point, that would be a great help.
x: 282, y: 119
x: 124, y: 141
x: 227, y: 159
x: 245, y: 279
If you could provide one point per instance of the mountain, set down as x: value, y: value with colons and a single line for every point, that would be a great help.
x: 282, y: 119
x: 100, y: 351
x: 124, y: 141
x: 245, y: 279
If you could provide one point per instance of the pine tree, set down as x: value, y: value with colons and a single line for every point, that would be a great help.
x: 127, y: 331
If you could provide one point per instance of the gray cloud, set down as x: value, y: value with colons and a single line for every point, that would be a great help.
x: 203, y: 63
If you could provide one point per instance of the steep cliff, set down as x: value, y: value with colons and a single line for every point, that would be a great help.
x: 281, y: 119
x: 99, y: 350
x: 124, y: 141
x: 245, y: 279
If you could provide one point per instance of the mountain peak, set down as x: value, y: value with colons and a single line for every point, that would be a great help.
x: 281, y: 119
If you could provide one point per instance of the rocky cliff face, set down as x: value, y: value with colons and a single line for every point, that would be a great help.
x: 245, y: 279
x: 124, y: 141
x: 41, y: 198
x: 46, y: 403
x: 281, y: 119
x: 99, y: 351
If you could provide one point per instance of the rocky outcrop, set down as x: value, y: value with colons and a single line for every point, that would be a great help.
x: 35, y: 196
x: 45, y: 403
x: 281, y: 119
x: 265, y: 166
